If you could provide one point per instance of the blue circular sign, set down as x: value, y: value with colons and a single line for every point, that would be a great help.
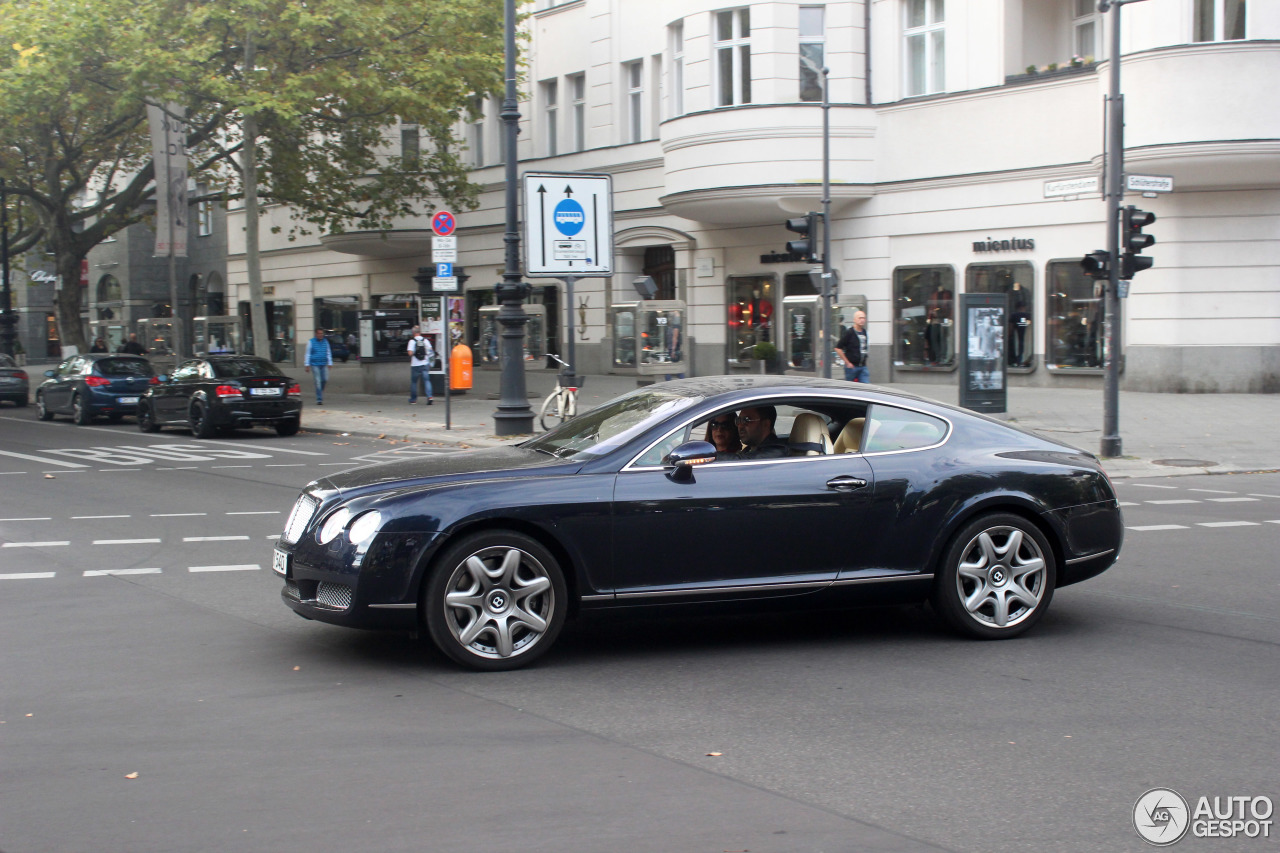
x: 569, y: 217
x: 443, y: 223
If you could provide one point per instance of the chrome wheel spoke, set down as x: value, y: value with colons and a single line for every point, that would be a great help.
x: 478, y: 625
x: 500, y: 602
x: 1001, y: 576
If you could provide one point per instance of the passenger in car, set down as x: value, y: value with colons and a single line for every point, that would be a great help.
x: 755, y: 428
x: 722, y: 431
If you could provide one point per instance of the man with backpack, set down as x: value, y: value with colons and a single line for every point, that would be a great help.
x: 421, y: 354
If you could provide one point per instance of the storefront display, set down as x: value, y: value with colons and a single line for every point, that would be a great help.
x: 924, y: 317
x: 1014, y: 280
x: 1075, y: 306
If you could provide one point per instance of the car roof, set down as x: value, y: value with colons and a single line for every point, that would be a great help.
x: 713, y: 386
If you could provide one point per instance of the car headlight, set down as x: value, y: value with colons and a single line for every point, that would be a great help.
x: 333, y: 525
x: 364, y: 527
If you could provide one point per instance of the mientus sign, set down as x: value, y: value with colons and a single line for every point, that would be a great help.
x: 1016, y: 244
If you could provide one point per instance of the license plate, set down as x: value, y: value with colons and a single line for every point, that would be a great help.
x: 126, y: 400
x: 265, y: 392
x: 280, y: 562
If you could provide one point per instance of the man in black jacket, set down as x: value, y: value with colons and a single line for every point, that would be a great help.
x: 132, y: 347
x: 852, y: 347
x: 755, y: 428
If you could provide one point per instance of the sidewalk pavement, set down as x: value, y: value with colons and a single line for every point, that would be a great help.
x: 1161, y: 434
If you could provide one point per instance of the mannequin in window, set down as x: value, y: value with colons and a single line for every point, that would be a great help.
x: 1019, y: 322
x: 938, y: 323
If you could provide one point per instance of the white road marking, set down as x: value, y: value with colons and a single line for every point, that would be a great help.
x: 1159, y: 527
x: 13, y: 472
x: 35, y: 544
x: 277, y: 535
x: 257, y: 512
x: 272, y: 449
x: 230, y: 466
x: 1273, y: 521
x: 119, y: 469
x: 1263, y: 496
x: 1231, y: 500
x: 1176, y: 501
x: 42, y: 459
x: 61, y: 472
x: 213, y: 538
x: 102, y: 573
x: 181, y: 468
x: 1213, y: 491
x: 176, y: 514
x: 126, y: 542
x: 1128, y: 503
x: 20, y: 576
x: 322, y: 464
x: 1150, y: 486
x: 242, y: 568
x: 83, y: 517
x: 286, y: 465
x: 33, y: 518
x: 1227, y: 523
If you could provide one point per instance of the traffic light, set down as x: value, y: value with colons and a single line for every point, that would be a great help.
x: 807, y: 227
x: 1133, y: 240
x: 1097, y: 264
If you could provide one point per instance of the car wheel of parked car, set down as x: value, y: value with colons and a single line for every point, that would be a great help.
x: 288, y: 427
x: 80, y: 411
x: 201, y: 424
x: 21, y: 401
x: 495, y: 601
x: 997, y: 577
x: 42, y: 411
x: 146, y: 420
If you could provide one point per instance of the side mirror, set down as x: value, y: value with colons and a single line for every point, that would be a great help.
x: 51, y: 373
x: 681, y: 461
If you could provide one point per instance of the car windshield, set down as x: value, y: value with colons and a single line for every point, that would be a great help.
x: 601, y: 430
x: 124, y: 367
x: 230, y: 368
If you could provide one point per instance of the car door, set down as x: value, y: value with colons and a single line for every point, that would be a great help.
x: 751, y: 527
x: 57, y: 395
x: 178, y: 390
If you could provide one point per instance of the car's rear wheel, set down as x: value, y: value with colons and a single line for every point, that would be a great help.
x: 147, y: 419
x: 80, y: 411
x: 42, y: 411
x: 997, y: 577
x: 288, y: 427
x: 21, y: 401
x: 496, y: 601
x: 201, y: 424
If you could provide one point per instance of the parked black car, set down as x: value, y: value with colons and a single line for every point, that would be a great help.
x: 882, y: 498
x: 222, y: 392
x: 93, y: 385
x: 15, y: 386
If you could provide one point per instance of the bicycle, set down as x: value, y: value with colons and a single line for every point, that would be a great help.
x: 562, y: 403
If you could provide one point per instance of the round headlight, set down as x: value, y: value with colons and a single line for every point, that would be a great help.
x: 364, y: 527
x: 333, y: 525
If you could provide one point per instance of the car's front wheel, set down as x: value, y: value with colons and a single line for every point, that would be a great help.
x: 147, y: 419
x: 42, y: 411
x: 202, y: 425
x: 496, y: 600
x: 80, y: 411
x: 997, y: 577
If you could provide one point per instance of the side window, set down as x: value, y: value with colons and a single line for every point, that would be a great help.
x: 188, y: 370
x: 654, y: 455
x: 889, y: 428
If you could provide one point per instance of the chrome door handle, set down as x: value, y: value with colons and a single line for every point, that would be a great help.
x: 845, y: 483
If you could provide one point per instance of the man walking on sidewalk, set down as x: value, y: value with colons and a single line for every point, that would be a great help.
x: 318, y: 360
x: 420, y: 355
x: 852, y: 347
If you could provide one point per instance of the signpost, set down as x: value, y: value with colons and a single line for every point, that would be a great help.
x: 444, y: 254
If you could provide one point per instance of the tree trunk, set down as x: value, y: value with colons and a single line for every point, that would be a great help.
x: 68, y: 303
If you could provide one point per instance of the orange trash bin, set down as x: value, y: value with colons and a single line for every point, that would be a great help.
x: 460, y: 368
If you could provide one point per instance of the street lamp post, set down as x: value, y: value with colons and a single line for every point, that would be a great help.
x: 513, y: 415
x: 824, y: 325
x: 6, y: 303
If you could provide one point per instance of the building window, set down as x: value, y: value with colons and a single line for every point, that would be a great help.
x: 1074, y: 302
x: 551, y: 114
x: 677, y: 69
x: 1014, y: 280
x: 751, y: 303
x: 633, y: 74
x: 925, y: 36
x: 475, y: 133
x: 1219, y: 20
x: 812, y: 52
x: 924, y: 317
x: 733, y: 57
x: 1085, y: 26
x: 578, y: 90
x: 204, y: 218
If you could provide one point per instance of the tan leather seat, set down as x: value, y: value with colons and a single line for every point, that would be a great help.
x: 850, y: 438
x: 809, y: 436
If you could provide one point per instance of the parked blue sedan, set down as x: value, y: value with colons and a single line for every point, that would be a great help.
x: 94, y: 385
x: 13, y: 381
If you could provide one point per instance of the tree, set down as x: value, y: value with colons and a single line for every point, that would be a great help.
x: 328, y: 78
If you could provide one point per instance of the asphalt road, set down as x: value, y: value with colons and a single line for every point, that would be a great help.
x: 155, y: 695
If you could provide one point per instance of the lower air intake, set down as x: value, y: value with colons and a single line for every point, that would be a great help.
x: 335, y: 595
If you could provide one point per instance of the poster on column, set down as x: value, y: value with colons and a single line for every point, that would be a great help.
x: 983, y: 367
x: 169, y: 152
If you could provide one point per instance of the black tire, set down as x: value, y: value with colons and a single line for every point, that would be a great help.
x: 21, y: 402
x: 201, y: 424
x: 470, y: 618
x: 287, y: 428
x: 997, y: 578
x: 147, y: 420
x: 79, y: 411
x: 42, y: 411
x: 115, y: 417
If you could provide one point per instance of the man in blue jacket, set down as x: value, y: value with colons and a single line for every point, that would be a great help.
x: 317, y: 362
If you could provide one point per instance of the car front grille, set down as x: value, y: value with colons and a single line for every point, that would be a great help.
x: 335, y: 595
x: 299, y: 518
x: 292, y: 589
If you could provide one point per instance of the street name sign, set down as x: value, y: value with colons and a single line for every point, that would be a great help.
x: 1071, y: 186
x: 568, y: 224
x: 1149, y: 183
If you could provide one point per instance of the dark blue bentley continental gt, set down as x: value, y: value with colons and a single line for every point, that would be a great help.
x: 853, y: 494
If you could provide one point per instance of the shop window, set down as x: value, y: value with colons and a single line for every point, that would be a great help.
x: 752, y: 300
x: 924, y: 317
x: 281, y: 321
x: 1075, y: 306
x: 389, y: 301
x: 338, y: 314
x: 1014, y: 280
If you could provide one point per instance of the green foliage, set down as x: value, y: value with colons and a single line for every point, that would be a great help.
x: 764, y: 351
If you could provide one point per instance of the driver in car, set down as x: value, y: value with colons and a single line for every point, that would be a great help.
x: 755, y: 428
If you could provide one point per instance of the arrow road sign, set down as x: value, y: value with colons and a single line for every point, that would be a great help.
x: 568, y: 220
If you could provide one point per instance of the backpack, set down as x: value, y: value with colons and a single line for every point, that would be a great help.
x: 420, y: 349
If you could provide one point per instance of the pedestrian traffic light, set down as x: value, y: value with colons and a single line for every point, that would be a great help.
x: 1133, y: 240
x: 1097, y: 264
x: 807, y: 227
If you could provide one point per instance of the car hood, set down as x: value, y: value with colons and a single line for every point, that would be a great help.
x: 484, y: 464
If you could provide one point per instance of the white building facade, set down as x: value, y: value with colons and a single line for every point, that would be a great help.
x: 966, y: 153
